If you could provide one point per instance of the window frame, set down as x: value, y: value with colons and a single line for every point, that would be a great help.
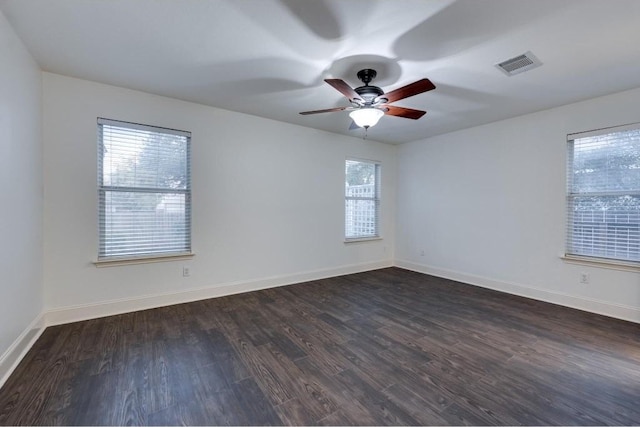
x: 572, y: 254
x: 151, y: 256
x: 376, y: 199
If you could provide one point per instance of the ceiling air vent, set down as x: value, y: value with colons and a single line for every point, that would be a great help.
x: 525, y: 62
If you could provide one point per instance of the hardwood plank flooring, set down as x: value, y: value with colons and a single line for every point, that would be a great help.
x: 386, y: 347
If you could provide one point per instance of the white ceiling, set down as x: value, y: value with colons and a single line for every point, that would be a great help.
x: 269, y: 57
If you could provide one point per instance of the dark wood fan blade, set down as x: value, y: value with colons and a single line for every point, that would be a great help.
x: 412, y: 89
x: 328, y: 110
x: 407, y: 113
x: 342, y: 87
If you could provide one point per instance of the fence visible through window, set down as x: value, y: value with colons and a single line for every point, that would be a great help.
x: 361, y: 213
x: 607, y: 233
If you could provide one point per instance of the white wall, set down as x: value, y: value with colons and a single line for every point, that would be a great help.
x: 487, y: 206
x: 268, y: 201
x: 20, y: 193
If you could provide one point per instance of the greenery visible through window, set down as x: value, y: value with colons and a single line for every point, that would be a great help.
x: 604, y: 194
x: 144, y: 190
x: 362, y: 199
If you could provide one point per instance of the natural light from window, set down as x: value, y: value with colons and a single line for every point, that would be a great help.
x: 362, y: 199
x: 604, y: 194
x: 144, y: 190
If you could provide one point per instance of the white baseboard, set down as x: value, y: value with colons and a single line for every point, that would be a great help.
x: 15, y: 353
x: 631, y: 314
x: 91, y: 311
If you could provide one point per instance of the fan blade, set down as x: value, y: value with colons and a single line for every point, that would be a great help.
x: 407, y: 113
x: 412, y: 89
x: 342, y: 87
x: 328, y: 110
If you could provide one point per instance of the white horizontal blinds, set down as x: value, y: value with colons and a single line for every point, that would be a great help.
x: 603, y: 194
x: 362, y: 199
x: 144, y: 190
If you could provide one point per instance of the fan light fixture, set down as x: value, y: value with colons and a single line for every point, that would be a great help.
x: 366, y: 117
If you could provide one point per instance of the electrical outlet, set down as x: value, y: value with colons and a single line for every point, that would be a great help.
x: 584, y: 278
x: 186, y: 272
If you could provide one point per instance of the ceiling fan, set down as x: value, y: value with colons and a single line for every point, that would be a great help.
x: 369, y: 103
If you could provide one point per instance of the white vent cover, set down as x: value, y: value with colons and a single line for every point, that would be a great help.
x: 521, y: 63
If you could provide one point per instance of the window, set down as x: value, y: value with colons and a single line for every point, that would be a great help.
x: 144, y: 191
x: 362, y: 199
x: 603, y: 177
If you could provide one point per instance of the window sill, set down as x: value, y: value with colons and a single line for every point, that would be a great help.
x: 602, y: 263
x: 362, y: 239
x: 114, y: 262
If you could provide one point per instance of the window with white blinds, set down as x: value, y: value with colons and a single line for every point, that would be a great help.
x: 603, y: 196
x: 362, y: 199
x: 144, y: 190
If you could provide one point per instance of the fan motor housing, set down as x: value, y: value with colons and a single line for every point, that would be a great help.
x: 369, y: 92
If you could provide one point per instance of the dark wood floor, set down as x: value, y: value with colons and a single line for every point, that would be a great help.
x: 382, y: 347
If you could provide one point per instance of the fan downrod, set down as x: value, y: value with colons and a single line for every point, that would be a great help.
x: 367, y: 75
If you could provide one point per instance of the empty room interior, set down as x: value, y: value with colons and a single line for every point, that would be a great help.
x: 328, y: 212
